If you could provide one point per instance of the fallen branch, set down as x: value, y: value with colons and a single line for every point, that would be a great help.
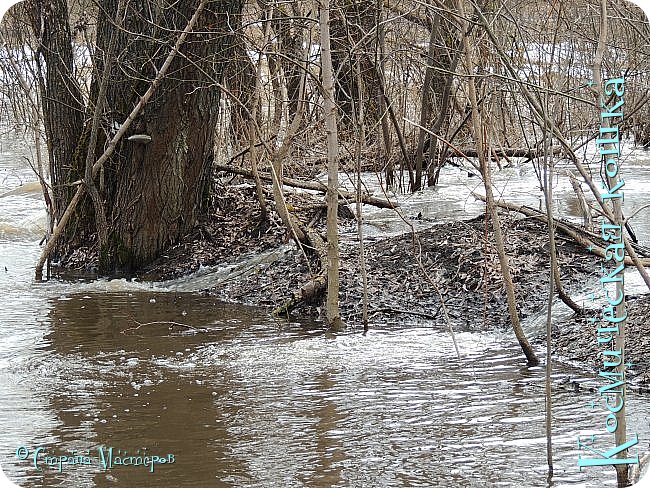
x: 506, y: 152
x: 308, y: 185
x: 171, y: 324
x: 314, y: 287
x: 580, y: 236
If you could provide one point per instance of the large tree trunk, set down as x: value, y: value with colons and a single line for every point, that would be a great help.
x: 350, y: 24
x: 154, y: 187
x: 160, y: 188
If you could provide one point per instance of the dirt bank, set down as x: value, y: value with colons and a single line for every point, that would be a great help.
x: 457, y: 258
x: 575, y: 340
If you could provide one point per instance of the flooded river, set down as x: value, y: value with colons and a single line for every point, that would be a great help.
x: 236, y: 398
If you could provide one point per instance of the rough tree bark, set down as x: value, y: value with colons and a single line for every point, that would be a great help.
x: 63, y: 108
x: 153, y: 192
x: 351, y: 25
x: 160, y: 188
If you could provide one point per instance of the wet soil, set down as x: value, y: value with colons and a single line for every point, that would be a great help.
x: 576, y: 341
x: 410, y: 276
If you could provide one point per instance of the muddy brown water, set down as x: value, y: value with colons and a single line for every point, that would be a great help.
x: 240, y: 399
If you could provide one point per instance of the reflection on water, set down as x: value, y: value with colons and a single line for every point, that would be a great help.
x: 243, y: 400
